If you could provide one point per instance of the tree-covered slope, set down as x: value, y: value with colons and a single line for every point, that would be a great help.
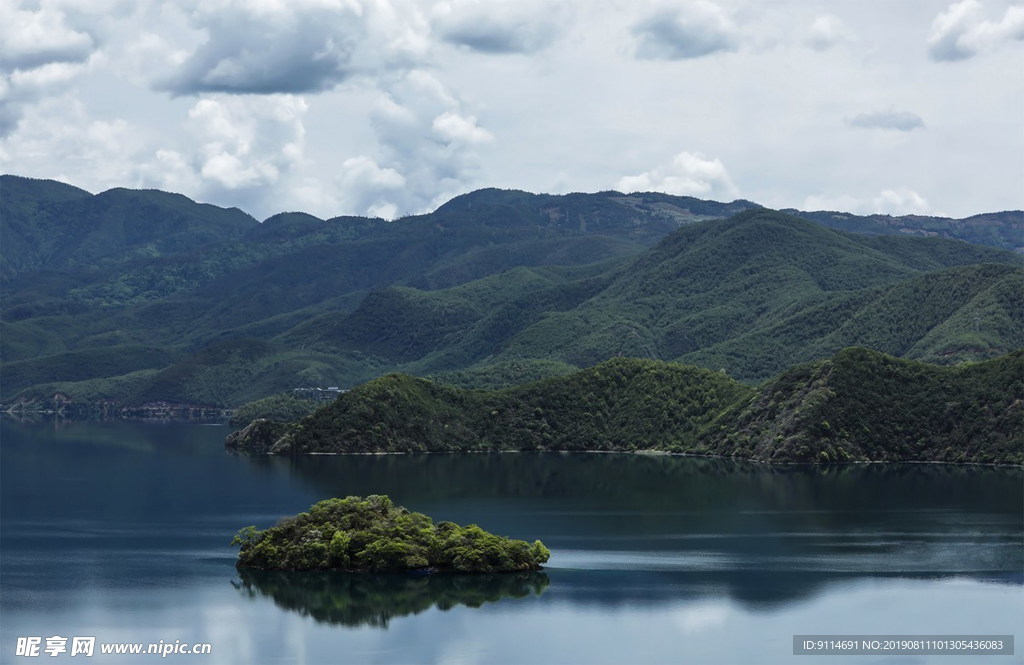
x: 50, y: 226
x: 961, y: 314
x: 79, y: 366
x: 859, y: 405
x: 622, y: 404
x: 752, y: 295
x: 392, y: 328
x: 493, y: 288
x: 863, y: 405
x: 764, y: 290
x: 451, y: 328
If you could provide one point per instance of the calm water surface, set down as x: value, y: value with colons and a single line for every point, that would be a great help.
x: 120, y: 531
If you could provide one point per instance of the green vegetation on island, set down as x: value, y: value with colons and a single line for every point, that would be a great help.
x: 860, y: 405
x: 373, y: 535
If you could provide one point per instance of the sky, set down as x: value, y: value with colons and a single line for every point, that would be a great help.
x: 392, y: 107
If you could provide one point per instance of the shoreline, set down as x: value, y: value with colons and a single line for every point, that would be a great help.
x: 647, y: 452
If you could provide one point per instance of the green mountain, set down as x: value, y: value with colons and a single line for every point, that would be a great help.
x: 762, y: 291
x: 860, y: 405
x: 753, y: 295
x: 127, y: 296
x: 47, y: 225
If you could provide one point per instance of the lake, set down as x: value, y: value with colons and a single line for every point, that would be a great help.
x: 120, y: 531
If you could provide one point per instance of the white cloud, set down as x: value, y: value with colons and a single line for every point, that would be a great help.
x: 366, y: 187
x: 516, y: 26
x: 833, y: 203
x: 32, y: 38
x: 246, y: 143
x: 825, y: 32
x: 961, y: 32
x: 302, y: 46
x: 46, y: 76
x: 690, y: 30
x: 20, y: 89
x: 903, y: 121
x: 386, y: 211
x: 172, y: 171
x: 425, y: 135
x: 894, y: 201
x: 40, y: 56
x: 901, y: 201
x: 689, y: 174
x: 246, y: 151
x: 86, y: 151
x: 452, y: 127
x: 266, y: 48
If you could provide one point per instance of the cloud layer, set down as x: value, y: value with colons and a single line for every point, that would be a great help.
x: 31, y: 39
x: 681, y: 32
x: 300, y: 46
x: 825, y: 32
x: 962, y: 32
x: 903, y: 121
x: 893, y: 201
x: 389, y: 107
x: 688, y: 174
x: 40, y: 55
x: 499, y: 26
x: 427, y: 136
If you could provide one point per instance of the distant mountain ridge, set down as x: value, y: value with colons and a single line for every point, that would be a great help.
x: 996, y: 229
x: 47, y: 225
x: 120, y: 223
x: 153, y: 297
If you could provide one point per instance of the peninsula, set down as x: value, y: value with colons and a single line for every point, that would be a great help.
x: 858, y: 406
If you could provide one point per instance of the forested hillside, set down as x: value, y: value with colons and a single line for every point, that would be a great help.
x: 859, y: 405
x: 622, y: 404
x: 762, y: 291
x: 129, y: 297
x: 864, y: 405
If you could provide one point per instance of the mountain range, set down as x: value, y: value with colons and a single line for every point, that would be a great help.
x: 131, y: 297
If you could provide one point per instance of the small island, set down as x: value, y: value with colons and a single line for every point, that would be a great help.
x: 371, y: 534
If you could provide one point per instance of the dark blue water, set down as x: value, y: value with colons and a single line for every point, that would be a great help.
x: 120, y: 531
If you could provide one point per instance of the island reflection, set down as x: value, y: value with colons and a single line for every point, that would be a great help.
x: 364, y: 599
